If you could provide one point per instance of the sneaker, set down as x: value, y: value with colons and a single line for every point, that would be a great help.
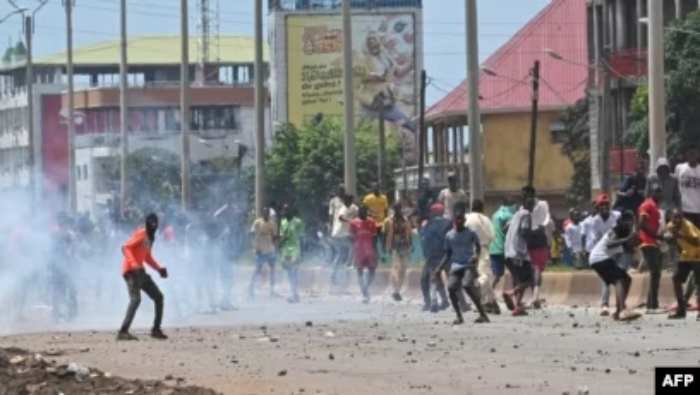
x: 629, y: 316
x: 693, y: 307
x: 444, y: 305
x: 126, y: 336
x: 426, y: 307
x: 158, y: 334
x: 678, y: 315
x: 604, y: 312
x: 482, y: 320
x: 508, y: 299
x: 519, y: 312
x: 365, y: 300
x: 458, y: 321
x: 396, y: 296
x: 654, y: 311
x: 434, y: 308
x: 536, y: 305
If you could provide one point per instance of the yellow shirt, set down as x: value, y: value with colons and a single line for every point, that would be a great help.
x: 377, y: 206
x: 689, y: 251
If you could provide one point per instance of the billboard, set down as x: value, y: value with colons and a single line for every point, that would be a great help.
x: 384, y: 65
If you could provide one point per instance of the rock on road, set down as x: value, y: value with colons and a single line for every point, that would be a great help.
x: 339, y: 346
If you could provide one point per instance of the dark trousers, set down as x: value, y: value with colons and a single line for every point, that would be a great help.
x: 137, y: 281
x: 427, y: 279
x: 653, y: 259
x: 679, y: 277
x: 464, y: 279
x: 63, y: 294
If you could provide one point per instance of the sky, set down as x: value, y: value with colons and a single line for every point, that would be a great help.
x: 444, y: 41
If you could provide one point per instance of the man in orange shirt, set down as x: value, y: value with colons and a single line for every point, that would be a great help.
x: 649, y: 236
x: 137, y: 250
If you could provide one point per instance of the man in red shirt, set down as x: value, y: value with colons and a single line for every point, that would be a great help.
x: 363, y: 230
x: 649, y: 225
x: 137, y: 250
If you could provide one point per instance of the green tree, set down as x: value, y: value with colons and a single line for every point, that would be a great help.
x: 305, y: 166
x: 576, y: 147
x: 682, y: 44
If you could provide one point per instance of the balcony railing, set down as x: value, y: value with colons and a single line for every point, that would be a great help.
x: 306, y: 5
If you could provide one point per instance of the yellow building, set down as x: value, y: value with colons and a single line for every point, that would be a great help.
x: 506, y: 102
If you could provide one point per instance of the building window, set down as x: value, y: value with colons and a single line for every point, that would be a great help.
x: 77, y: 173
x: 85, y: 172
x: 214, y: 118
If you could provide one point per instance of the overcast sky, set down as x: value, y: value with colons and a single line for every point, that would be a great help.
x: 445, y: 59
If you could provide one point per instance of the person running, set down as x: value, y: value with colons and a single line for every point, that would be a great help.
x: 451, y: 196
x: 136, y: 251
x: 334, y: 206
x: 462, y: 251
x: 363, y: 231
x: 482, y: 226
x: 518, y: 258
x: 594, y: 228
x: 340, y: 235
x: 265, y: 237
x: 686, y: 238
x: 649, y: 236
x: 500, y: 220
x: 539, y: 240
x: 604, y: 259
x: 378, y: 208
x: 432, y: 235
x: 291, y: 234
x: 399, y: 234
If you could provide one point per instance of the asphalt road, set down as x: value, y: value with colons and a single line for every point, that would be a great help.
x: 336, y: 345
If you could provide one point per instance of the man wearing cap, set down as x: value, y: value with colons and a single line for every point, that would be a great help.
x: 451, y: 195
x: 595, y: 228
x: 432, y: 236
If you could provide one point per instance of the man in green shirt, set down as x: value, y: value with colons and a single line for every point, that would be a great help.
x: 291, y: 234
x: 500, y: 219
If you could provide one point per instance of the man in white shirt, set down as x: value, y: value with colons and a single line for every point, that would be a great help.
x: 573, y: 238
x: 688, y: 176
x: 340, y: 235
x: 451, y: 196
x: 597, y: 226
x: 482, y: 226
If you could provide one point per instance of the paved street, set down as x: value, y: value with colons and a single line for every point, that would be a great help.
x: 343, y: 347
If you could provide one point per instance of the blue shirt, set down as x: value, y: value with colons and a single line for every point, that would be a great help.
x: 433, y: 238
x: 461, y: 246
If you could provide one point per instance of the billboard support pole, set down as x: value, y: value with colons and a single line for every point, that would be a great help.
x: 259, y: 112
x: 350, y: 174
x: 381, y: 158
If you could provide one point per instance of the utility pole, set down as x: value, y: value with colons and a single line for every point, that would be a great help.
x: 381, y: 158
x: 657, y: 92
x: 533, y: 123
x: 350, y: 173
x: 185, y: 105
x: 28, y: 33
x: 72, y: 195
x: 421, y: 127
x: 476, y: 170
x: 259, y: 112
x: 123, y: 109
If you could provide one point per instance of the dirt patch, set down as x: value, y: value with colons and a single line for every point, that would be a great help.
x: 22, y: 372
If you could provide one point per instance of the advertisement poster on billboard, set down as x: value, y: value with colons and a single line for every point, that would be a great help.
x: 384, y: 70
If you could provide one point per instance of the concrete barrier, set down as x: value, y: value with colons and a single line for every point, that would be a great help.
x: 559, y: 288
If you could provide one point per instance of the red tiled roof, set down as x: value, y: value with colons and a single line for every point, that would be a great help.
x: 562, y: 27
